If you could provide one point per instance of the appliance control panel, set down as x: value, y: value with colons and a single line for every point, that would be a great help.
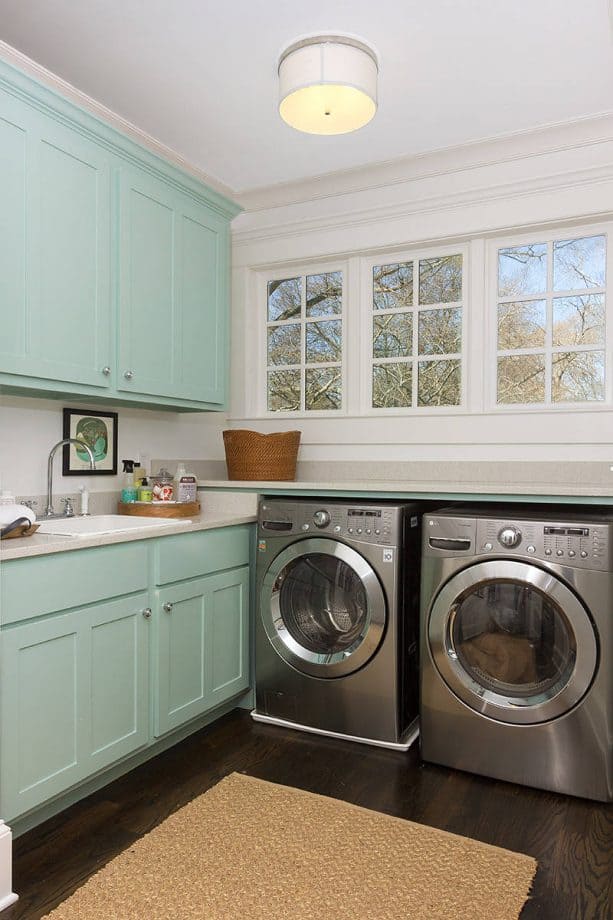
x: 378, y: 524
x: 581, y: 545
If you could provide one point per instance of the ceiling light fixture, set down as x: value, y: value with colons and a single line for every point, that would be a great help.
x: 328, y: 84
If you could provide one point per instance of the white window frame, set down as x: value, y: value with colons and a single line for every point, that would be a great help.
x: 566, y: 232
x: 367, y: 313
x: 280, y: 273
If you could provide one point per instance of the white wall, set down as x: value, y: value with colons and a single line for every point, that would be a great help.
x: 30, y: 427
x: 542, y: 179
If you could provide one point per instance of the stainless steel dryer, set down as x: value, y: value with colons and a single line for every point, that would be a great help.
x: 337, y: 618
x: 517, y: 647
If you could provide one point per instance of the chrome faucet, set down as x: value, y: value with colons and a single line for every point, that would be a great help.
x: 49, y: 512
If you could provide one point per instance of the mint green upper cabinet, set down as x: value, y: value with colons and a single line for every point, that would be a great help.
x: 114, y: 264
x: 204, y: 246
x: 173, y: 293
x: 148, y: 308
x: 55, y: 228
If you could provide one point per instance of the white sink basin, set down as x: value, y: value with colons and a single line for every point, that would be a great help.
x: 103, y: 523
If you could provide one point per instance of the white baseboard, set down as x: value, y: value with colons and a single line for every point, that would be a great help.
x: 7, y: 895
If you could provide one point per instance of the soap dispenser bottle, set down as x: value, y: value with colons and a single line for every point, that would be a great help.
x: 128, y: 491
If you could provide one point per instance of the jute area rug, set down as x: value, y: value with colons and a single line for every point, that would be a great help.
x: 254, y: 850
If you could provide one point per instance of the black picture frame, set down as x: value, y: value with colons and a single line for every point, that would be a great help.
x: 99, y: 430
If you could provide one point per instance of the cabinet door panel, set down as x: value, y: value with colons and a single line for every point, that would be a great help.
x: 201, y: 339
x: 13, y: 187
x: 227, y: 635
x: 56, y: 234
x: 203, y: 646
x: 70, y: 334
x: 118, y: 661
x: 173, y: 293
x: 39, y: 754
x: 148, y: 302
x: 181, y: 660
x: 73, y: 698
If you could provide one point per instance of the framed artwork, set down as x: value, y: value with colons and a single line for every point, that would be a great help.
x: 99, y: 431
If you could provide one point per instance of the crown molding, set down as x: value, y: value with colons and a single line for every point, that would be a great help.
x: 492, y: 151
x: 292, y: 225
x: 22, y: 62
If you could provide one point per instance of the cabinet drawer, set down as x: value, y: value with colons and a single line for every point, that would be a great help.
x: 193, y: 554
x: 45, y: 584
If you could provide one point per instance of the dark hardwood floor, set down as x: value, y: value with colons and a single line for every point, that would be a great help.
x: 572, y: 839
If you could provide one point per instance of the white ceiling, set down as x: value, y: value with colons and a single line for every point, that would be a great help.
x: 201, y: 76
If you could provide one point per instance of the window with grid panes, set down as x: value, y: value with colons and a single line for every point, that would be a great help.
x: 551, y: 321
x: 417, y: 333
x: 305, y: 342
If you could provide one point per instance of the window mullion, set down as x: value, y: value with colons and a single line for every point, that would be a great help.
x: 415, y: 331
x: 549, y: 326
x: 303, y: 344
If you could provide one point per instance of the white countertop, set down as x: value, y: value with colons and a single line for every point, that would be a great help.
x: 42, y: 544
x: 435, y: 487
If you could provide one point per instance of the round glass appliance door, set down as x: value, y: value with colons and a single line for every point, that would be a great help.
x: 513, y: 642
x: 323, y: 608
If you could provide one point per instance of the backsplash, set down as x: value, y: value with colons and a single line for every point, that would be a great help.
x: 30, y: 427
x: 106, y: 502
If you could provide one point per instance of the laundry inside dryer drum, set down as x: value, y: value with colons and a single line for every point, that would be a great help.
x: 513, y: 639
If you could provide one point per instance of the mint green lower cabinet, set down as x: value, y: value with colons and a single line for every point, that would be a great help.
x: 73, y: 691
x: 202, y: 645
x: 39, y: 753
x: 228, y: 635
x: 117, y: 654
x: 89, y: 681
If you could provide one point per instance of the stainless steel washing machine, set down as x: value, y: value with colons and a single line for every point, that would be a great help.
x: 337, y: 618
x: 517, y: 647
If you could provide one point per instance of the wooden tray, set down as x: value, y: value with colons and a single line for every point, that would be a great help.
x: 160, y: 509
x: 21, y: 531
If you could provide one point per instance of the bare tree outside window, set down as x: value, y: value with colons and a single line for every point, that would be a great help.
x: 551, y: 321
x: 305, y: 342
x: 417, y: 333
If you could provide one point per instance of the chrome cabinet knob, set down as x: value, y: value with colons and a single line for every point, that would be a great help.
x: 106, y: 371
x: 128, y: 375
x: 147, y: 613
x: 168, y: 607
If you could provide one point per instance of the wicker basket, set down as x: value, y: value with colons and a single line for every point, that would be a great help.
x: 264, y: 457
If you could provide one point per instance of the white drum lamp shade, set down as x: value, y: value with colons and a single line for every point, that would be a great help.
x: 327, y: 85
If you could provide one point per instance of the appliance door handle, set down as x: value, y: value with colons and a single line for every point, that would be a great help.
x: 276, y: 525
x: 449, y: 543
